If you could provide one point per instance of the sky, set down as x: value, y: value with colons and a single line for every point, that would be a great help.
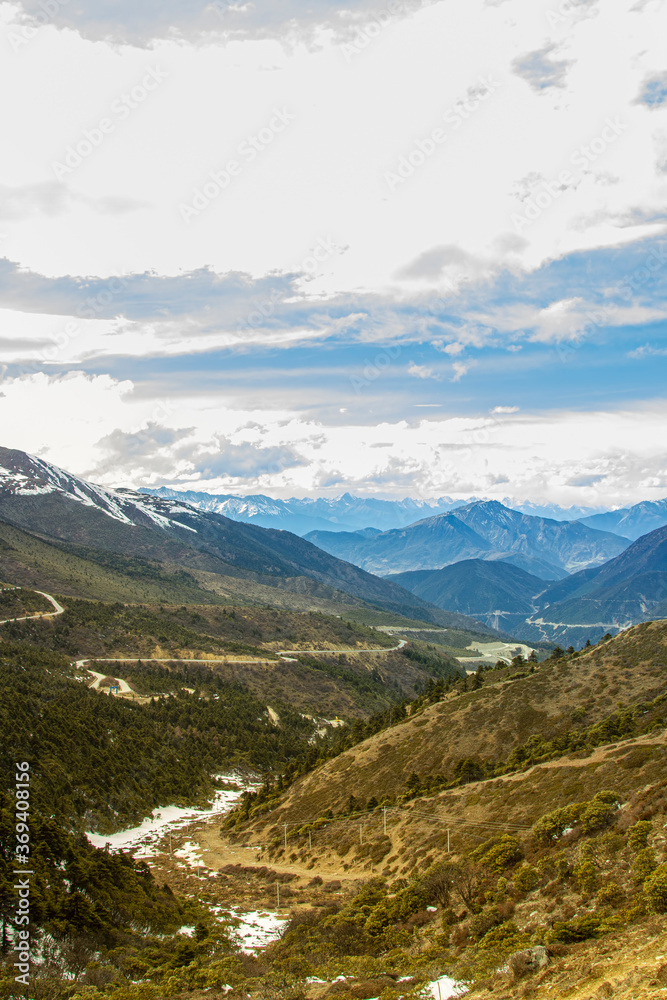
x: 404, y: 248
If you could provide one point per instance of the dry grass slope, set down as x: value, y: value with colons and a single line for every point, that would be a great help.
x: 489, y: 723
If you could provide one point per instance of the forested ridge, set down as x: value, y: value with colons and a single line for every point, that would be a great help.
x: 103, y: 763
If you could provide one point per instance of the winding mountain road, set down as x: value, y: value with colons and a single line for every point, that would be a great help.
x: 124, y: 687
x: 383, y: 649
x: 58, y: 610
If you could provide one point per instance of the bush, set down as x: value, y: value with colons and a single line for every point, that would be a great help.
x: 643, y: 866
x: 655, y: 889
x: 609, y: 894
x: 438, y: 882
x: 553, y: 824
x: 638, y: 834
x: 482, y: 922
x: 577, y: 929
x: 498, y: 854
x: 592, y: 816
x: 599, y: 812
x: 586, y: 875
x: 506, y: 937
x: 527, y: 878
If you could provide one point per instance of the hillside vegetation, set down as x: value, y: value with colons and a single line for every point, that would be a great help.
x: 246, y: 639
x: 103, y: 763
x: 15, y: 602
x: 505, y: 828
x: 562, y: 699
x: 532, y: 895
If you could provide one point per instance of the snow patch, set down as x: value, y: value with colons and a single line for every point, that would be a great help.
x: 142, y: 840
x: 445, y: 988
x: 257, y: 928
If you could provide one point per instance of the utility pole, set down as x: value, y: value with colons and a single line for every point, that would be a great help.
x: 310, y: 840
x: 278, y: 893
x: 384, y: 820
x: 285, y: 827
x: 361, y: 833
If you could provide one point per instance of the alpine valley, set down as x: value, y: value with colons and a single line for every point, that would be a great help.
x: 355, y: 764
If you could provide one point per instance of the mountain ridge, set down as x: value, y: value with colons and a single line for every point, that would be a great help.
x: 488, y: 586
x: 46, y: 501
x: 632, y: 522
x: 480, y: 530
x: 344, y: 512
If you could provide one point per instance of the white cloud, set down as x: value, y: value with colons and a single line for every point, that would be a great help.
x: 542, y: 68
x: 125, y: 22
x: 323, y: 175
x: 420, y: 371
x: 459, y: 370
x: 567, y: 319
x: 505, y: 409
x: 107, y: 247
x: 648, y: 351
x: 128, y: 438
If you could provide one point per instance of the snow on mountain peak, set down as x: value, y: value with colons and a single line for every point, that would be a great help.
x: 25, y: 475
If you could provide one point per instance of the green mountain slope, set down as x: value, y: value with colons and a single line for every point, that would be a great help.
x: 627, y: 589
x: 57, y: 507
x: 475, y: 587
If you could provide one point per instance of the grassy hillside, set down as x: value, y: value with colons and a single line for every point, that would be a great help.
x: 567, y: 858
x: 32, y: 562
x: 561, y: 699
x: 171, y: 535
x: 76, y: 570
x: 328, y: 683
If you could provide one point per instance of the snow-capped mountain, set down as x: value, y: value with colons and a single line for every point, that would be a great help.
x: 25, y: 476
x: 40, y: 498
x: 342, y: 513
x: 301, y: 515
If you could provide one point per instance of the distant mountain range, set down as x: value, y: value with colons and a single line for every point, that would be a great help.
x: 484, y: 529
x: 342, y: 513
x: 626, y: 590
x: 630, y: 588
x: 83, y: 518
x: 536, y: 578
x: 631, y: 521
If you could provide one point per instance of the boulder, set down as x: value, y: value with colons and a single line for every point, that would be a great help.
x: 529, y: 961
